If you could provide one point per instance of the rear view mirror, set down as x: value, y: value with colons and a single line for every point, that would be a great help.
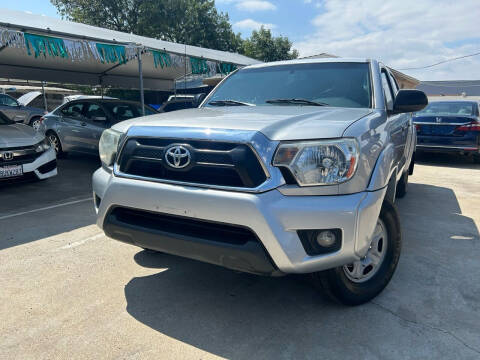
x: 409, y: 100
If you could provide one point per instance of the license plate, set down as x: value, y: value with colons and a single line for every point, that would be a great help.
x: 11, y: 171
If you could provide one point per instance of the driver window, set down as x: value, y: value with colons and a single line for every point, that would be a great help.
x: 387, y: 90
x: 73, y: 111
x: 7, y: 100
x: 95, y: 113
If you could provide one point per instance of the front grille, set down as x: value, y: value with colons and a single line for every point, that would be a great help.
x: 184, y: 226
x: 212, y: 163
x: 21, y: 155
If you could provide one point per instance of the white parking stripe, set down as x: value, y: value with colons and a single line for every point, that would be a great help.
x: 45, y: 208
x: 81, y: 242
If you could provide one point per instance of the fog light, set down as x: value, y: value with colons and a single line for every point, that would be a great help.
x: 326, y: 238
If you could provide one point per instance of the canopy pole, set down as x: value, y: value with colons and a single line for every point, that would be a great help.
x: 44, y: 97
x: 140, y: 73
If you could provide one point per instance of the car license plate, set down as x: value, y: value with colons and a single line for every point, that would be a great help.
x: 11, y: 171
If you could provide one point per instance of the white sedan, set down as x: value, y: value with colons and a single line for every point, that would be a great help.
x: 24, y: 152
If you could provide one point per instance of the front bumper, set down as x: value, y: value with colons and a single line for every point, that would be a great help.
x: 273, y: 217
x: 43, y: 167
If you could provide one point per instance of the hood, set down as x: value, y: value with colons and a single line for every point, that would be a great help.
x: 275, y: 122
x: 28, y: 97
x: 18, y: 135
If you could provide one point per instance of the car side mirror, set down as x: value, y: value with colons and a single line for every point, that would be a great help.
x: 409, y: 100
x: 198, y: 98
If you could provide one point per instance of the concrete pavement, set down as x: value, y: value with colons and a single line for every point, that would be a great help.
x: 67, y: 291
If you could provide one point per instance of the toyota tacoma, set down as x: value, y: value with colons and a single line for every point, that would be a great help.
x: 286, y: 167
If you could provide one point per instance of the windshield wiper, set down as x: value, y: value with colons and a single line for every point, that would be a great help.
x: 229, y: 103
x: 296, y: 102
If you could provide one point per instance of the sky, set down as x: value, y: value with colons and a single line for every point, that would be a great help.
x: 402, y: 34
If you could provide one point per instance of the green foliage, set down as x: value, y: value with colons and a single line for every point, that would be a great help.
x: 263, y: 46
x: 191, y: 22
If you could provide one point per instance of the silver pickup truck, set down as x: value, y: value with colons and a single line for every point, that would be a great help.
x: 286, y: 167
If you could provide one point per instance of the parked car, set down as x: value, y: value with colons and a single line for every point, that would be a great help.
x: 181, y: 102
x: 18, y: 112
x: 24, y: 153
x: 78, y: 125
x: 449, y: 126
x: 286, y: 167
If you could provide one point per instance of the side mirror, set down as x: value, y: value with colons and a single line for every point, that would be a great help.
x: 198, y: 98
x: 409, y: 100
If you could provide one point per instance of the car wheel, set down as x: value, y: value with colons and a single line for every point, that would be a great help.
x: 361, y: 281
x: 35, y: 123
x: 55, y: 141
x: 476, y: 158
x: 402, y: 186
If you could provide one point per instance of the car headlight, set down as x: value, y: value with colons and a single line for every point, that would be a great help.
x: 43, y: 145
x: 323, y: 162
x: 108, y: 146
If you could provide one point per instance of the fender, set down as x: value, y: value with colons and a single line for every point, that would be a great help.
x: 384, y: 169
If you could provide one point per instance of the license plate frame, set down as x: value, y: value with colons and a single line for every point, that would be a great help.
x: 10, y: 171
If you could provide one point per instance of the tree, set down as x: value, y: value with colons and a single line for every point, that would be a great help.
x: 191, y: 22
x: 263, y: 46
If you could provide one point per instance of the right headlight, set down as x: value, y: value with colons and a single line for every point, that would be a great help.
x: 108, y: 146
x: 322, y: 162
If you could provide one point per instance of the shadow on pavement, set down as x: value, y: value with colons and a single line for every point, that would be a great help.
x: 446, y: 160
x: 238, y: 315
x: 72, y: 183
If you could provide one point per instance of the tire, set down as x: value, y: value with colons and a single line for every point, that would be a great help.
x: 57, y: 145
x: 339, y: 284
x: 412, y: 165
x: 476, y: 159
x: 35, y: 123
x: 402, y: 186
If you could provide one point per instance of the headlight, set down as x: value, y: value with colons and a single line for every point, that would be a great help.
x: 42, y: 146
x: 108, y: 146
x: 325, y: 162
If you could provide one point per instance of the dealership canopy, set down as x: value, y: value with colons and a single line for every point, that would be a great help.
x: 36, y: 47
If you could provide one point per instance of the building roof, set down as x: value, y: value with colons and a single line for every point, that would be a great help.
x: 451, y: 88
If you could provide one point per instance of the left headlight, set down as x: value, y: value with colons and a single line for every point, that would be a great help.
x: 43, y: 145
x: 108, y: 146
x: 323, y: 162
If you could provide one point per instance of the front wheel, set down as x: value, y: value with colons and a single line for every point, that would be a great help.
x: 362, y: 280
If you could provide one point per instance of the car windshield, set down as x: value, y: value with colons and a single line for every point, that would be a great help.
x: 4, y: 120
x: 457, y: 108
x: 311, y: 84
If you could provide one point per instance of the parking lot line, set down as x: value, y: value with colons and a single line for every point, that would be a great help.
x: 45, y: 208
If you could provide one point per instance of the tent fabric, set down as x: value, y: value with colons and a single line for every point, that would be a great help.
x: 41, y: 48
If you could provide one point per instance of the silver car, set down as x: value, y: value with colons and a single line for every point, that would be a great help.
x: 24, y: 152
x: 20, y: 113
x: 287, y: 167
x: 77, y: 125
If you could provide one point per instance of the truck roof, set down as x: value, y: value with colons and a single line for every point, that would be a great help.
x: 309, y: 61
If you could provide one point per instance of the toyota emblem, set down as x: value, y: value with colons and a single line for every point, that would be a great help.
x: 7, y: 155
x: 178, y: 157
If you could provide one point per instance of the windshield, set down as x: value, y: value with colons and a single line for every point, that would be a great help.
x: 4, y: 120
x: 332, y: 84
x: 457, y: 108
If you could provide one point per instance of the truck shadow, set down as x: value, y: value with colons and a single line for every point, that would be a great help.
x: 236, y: 315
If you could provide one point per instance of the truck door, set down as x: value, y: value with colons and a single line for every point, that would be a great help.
x: 397, y: 124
